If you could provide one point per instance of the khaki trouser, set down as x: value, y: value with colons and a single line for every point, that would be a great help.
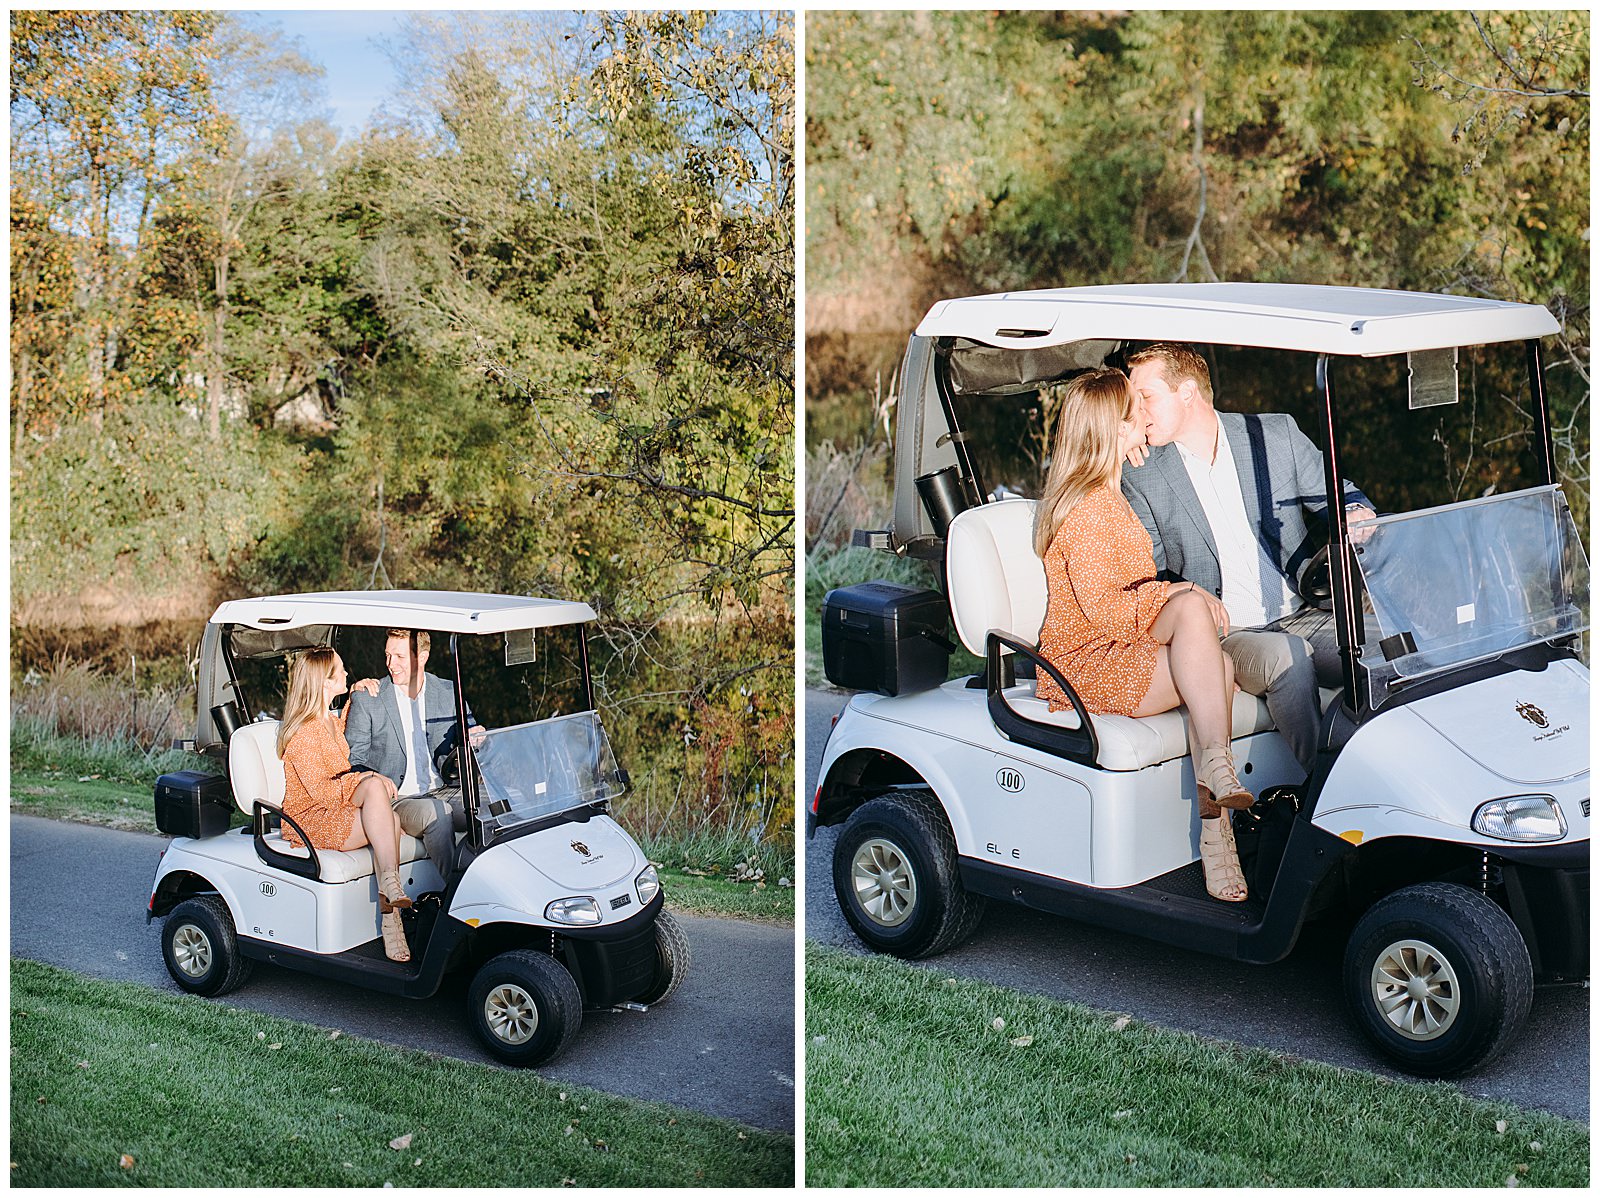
x: 1284, y: 662
x: 434, y: 821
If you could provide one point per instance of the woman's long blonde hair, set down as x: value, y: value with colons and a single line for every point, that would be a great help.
x: 1084, y: 455
x: 305, y: 700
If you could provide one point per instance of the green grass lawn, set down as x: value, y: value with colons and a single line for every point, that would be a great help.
x: 116, y: 1084
x: 696, y: 895
x: 910, y: 1081
x: 116, y: 802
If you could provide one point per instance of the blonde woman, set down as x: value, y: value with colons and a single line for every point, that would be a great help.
x: 1129, y: 643
x: 338, y: 807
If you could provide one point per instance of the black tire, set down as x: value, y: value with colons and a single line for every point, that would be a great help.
x: 524, y: 1006
x: 672, y: 960
x: 1473, y: 981
x: 896, y: 878
x: 200, y: 948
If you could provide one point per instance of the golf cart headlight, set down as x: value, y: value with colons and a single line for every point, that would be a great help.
x: 1521, y: 817
x: 573, y: 911
x: 647, y: 884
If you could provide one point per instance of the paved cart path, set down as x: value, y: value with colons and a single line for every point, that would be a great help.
x: 723, y: 1044
x: 1295, y: 1006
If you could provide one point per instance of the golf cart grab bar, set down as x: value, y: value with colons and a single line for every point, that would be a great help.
x: 1075, y: 744
x: 305, y: 867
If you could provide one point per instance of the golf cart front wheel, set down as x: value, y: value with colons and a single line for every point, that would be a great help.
x: 200, y: 949
x: 1438, y: 978
x: 672, y: 960
x: 524, y: 1006
x: 896, y: 877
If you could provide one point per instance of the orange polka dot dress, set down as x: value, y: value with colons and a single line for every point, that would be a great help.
x: 318, y: 784
x: 1103, y: 597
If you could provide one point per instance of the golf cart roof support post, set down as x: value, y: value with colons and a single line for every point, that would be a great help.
x: 469, y: 777
x: 1541, y: 410
x: 958, y: 437
x: 233, y: 683
x: 1339, y: 571
x: 583, y: 660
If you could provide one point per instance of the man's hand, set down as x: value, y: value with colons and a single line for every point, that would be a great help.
x: 476, y: 736
x: 1354, y: 515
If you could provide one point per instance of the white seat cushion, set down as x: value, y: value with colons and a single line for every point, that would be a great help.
x: 1127, y: 743
x: 344, y: 867
x: 255, y: 771
x: 995, y: 578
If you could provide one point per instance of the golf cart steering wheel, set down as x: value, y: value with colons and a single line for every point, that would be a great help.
x: 1316, y: 582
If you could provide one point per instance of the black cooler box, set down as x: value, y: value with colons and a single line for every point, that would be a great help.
x: 878, y: 636
x: 189, y: 803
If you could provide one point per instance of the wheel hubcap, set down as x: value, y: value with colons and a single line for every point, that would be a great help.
x: 191, y: 949
x: 1416, y: 989
x: 511, y: 1013
x: 885, y: 887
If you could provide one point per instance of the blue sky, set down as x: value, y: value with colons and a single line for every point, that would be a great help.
x: 359, y: 77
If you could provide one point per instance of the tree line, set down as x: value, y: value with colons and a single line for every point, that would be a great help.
x: 530, y: 331
x: 962, y: 152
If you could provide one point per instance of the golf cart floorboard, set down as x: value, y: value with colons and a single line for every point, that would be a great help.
x: 1190, y: 883
x: 1173, y: 908
x: 365, y: 964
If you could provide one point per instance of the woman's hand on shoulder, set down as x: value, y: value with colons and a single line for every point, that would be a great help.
x: 367, y: 686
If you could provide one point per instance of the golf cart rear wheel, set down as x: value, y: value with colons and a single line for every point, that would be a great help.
x: 524, y: 1006
x: 1438, y: 978
x: 200, y: 949
x: 672, y: 960
x: 896, y: 878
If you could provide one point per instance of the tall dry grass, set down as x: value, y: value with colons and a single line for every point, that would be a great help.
x: 75, y: 699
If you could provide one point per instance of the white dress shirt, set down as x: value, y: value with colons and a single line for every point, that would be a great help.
x: 1254, y: 590
x: 416, y: 781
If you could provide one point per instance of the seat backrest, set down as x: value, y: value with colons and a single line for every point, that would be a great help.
x: 995, y: 578
x: 254, y: 769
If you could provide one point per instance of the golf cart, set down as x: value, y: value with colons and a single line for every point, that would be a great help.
x: 548, y: 902
x: 1447, y: 816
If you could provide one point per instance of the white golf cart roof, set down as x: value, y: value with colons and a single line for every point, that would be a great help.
x: 438, y: 611
x: 1355, y: 321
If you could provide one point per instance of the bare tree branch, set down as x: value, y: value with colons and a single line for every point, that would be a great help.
x: 1194, y: 244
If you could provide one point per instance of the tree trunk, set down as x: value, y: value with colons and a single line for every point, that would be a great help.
x: 216, y: 376
x: 95, y: 283
x: 19, y: 413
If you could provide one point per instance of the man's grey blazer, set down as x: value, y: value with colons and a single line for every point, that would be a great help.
x: 376, y: 734
x: 1281, y: 476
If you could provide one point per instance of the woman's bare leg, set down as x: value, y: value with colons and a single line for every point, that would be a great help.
x: 1192, y: 669
x: 377, y: 826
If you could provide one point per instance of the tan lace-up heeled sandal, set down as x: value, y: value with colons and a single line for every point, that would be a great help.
x: 1216, y: 780
x: 391, y: 895
x: 394, y: 938
x: 1219, y: 858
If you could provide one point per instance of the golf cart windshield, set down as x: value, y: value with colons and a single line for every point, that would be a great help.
x: 1453, y: 585
x: 534, y: 771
